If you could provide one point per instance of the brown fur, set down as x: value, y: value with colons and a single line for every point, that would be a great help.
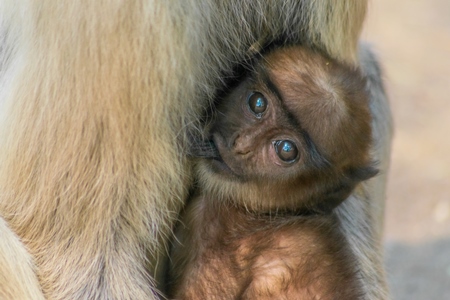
x: 255, y: 242
x: 95, y: 100
x: 229, y: 253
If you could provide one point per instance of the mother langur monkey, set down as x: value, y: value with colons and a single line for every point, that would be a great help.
x: 96, y: 100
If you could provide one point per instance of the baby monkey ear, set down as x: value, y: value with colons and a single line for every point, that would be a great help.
x: 337, y: 192
x: 362, y: 173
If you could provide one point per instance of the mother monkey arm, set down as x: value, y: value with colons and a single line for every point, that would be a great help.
x: 96, y: 98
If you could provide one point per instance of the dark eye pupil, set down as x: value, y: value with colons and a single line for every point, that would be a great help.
x: 257, y: 103
x: 286, y: 150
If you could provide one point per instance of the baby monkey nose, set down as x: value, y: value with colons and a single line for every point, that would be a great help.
x: 242, y: 144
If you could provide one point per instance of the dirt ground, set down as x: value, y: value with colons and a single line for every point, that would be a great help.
x: 412, y: 39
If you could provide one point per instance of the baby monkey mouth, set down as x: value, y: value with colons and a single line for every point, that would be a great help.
x: 209, y: 149
x: 204, y: 149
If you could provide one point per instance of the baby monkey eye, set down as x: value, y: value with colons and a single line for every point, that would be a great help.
x: 286, y: 150
x: 257, y: 103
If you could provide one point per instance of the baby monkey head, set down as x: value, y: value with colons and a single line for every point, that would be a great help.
x: 295, y: 131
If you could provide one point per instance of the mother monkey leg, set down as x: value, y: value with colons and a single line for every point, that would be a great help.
x: 96, y: 99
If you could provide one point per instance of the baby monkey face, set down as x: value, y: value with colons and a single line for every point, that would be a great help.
x: 298, y: 121
x: 256, y: 137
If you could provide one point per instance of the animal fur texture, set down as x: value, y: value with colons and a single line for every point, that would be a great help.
x: 260, y: 223
x: 96, y: 98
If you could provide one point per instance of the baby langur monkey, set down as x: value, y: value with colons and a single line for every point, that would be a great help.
x: 287, y: 144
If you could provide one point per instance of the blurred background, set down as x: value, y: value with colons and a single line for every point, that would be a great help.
x: 412, y: 39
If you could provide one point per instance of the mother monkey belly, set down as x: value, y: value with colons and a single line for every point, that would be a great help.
x: 96, y: 100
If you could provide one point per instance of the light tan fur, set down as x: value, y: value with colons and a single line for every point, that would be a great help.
x: 96, y: 97
x: 17, y: 277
